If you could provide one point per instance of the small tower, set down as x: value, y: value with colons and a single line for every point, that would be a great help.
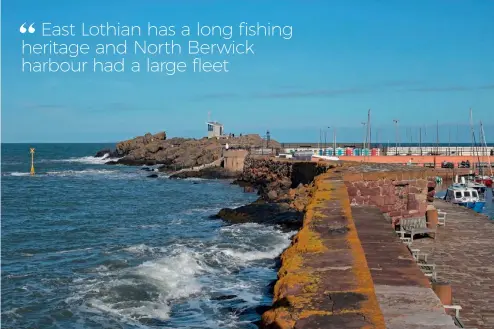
x: 32, y: 160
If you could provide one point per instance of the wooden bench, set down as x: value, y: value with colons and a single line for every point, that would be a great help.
x: 429, y: 270
x: 414, y: 226
x: 418, y: 255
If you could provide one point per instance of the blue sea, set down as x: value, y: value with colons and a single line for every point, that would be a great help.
x: 87, y: 245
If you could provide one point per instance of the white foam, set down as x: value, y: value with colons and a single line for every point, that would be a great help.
x: 175, y: 275
x: 17, y: 174
x: 64, y: 173
x: 143, y: 249
x: 248, y: 249
x: 254, y: 255
x: 72, y: 250
x: 197, y: 179
x: 88, y: 159
x: 145, y: 310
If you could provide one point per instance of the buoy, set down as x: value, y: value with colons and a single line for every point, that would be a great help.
x: 32, y: 160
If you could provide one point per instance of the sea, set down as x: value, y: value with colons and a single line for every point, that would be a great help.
x: 88, y: 245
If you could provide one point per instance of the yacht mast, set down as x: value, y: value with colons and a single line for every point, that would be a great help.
x: 474, y: 143
x: 369, y: 131
x: 484, y: 142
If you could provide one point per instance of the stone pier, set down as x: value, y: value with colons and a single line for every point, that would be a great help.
x: 346, y: 268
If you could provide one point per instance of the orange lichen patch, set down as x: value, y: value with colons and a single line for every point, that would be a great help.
x: 318, y: 215
x: 278, y: 318
x: 306, y: 314
x: 291, y: 280
x: 300, y: 302
x: 309, y: 241
x: 291, y: 260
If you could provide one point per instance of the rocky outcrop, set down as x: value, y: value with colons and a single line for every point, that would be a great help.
x: 285, y: 188
x: 274, y: 178
x: 280, y: 214
x: 177, y: 153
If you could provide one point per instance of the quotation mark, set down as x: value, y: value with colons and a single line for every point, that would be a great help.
x: 30, y: 29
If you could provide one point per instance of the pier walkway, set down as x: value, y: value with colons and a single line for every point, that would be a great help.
x: 403, y: 292
x: 464, y: 255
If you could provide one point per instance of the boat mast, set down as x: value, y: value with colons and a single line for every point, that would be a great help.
x: 437, y: 137
x: 334, y: 140
x: 482, y: 136
x: 474, y: 142
x: 365, y: 135
x: 369, y: 131
x: 420, y: 140
x: 397, y: 135
x: 449, y: 146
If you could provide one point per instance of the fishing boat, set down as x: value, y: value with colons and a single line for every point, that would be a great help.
x: 465, y: 196
x: 470, y: 180
x: 486, y: 180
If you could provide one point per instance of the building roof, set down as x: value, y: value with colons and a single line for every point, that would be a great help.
x: 215, y: 123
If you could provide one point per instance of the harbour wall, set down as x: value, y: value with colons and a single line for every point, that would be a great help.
x: 425, y: 161
x: 398, y: 194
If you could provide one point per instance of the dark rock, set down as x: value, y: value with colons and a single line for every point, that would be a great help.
x: 264, y: 213
x: 261, y: 309
x: 102, y: 153
x: 272, y: 195
x: 242, y: 183
x: 147, y: 169
x: 249, y: 189
x: 224, y: 297
x: 153, y: 176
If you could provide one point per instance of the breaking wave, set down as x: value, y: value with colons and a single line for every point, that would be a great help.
x: 197, y: 276
x: 63, y: 173
x: 86, y: 160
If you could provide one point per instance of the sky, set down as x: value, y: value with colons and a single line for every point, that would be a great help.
x: 421, y: 62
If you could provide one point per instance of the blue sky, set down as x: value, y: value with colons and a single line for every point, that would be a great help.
x: 418, y: 61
